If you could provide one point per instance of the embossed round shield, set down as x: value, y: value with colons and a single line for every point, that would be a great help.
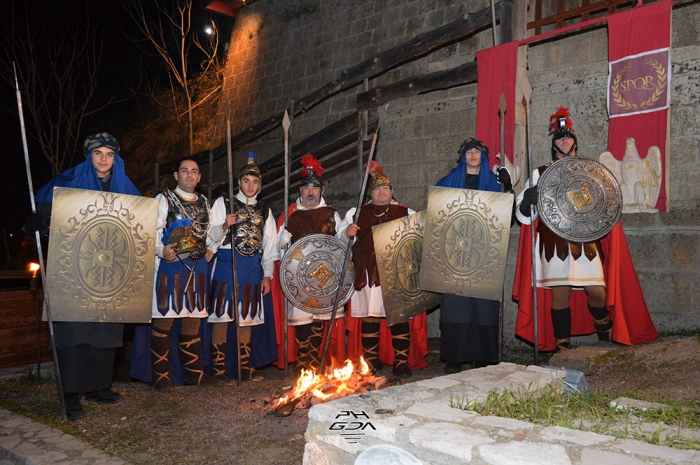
x: 579, y: 199
x: 310, y: 273
x: 398, y: 247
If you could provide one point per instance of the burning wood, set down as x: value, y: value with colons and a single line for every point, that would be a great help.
x: 313, y: 388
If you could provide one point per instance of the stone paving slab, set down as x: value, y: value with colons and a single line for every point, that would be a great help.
x: 421, y: 419
x: 24, y: 442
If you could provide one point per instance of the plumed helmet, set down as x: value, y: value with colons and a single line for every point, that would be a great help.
x: 311, y: 171
x: 103, y: 139
x: 377, y: 177
x: 560, y: 125
x: 179, y: 233
x: 251, y: 168
x: 472, y: 143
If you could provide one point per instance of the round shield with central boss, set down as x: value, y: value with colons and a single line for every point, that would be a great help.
x: 579, y: 199
x: 310, y: 273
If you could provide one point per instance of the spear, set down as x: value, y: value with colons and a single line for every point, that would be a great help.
x: 37, y: 238
x: 501, y: 114
x: 286, y: 124
x: 493, y: 22
x: 232, y: 232
x: 327, y: 337
x: 527, y: 90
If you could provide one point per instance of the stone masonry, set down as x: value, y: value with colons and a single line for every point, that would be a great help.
x: 286, y: 50
x: 421, y: 418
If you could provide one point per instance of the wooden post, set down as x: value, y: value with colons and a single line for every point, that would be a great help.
x: 157, y: 175
x: 519, y: 30
x: 211, y: 174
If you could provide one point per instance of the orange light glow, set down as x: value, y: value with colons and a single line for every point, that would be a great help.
x: 342, y: 380
x: 33, y: 267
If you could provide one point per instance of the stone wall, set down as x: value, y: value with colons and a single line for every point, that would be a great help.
x: 283, y: 50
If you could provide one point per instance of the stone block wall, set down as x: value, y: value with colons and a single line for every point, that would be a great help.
x: 283, y: 50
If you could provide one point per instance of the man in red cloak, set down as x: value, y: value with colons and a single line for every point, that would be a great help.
x: 582, y: 288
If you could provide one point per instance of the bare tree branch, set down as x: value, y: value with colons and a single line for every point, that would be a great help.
x: 170, y: 37
x: 58, y: 77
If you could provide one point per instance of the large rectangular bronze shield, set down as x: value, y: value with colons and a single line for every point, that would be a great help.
x: 466, y: 242
x: 101, y: 256
x: 398, y: 246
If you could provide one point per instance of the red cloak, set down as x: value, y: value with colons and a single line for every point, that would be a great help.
x: 418, y: 349
x: 632, y: 323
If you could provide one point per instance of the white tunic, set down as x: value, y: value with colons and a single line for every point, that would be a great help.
x: 160, y: 229
x: 216, y: 236
x: 569, y: 272
x: 368, y: 301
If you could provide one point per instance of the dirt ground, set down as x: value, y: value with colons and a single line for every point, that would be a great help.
x: 229, y: 424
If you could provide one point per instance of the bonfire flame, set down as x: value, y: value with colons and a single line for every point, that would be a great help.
x: 313, y: 388
x: 342, y: 380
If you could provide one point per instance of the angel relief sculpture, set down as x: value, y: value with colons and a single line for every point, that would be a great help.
x: 640, y: 179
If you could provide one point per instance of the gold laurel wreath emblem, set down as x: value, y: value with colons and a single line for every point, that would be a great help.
x: 660, y: 88
x: 658, y: 92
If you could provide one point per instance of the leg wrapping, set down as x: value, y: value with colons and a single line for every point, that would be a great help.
x: 401, y: 341
x: 370, y: 344
x: 160, y: 349
x: 603, y: 324
x: 561, y: 322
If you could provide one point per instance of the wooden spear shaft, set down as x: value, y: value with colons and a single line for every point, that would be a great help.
x: 527, y: 91
x: 327, y: 337
x: 232, y: 232
x: 286, y: 124
x: 37, y: 238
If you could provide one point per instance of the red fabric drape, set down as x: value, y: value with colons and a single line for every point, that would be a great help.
x: 418, y: 327
x: 497, y: 67
x: 641, y: 29
x: 625, y: 300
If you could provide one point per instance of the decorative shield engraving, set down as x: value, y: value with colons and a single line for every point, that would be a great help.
x: 398, y: 246
x: 466, y: 242
x: 579, y: 199
x: 310, y: 273
x: 101, y: 256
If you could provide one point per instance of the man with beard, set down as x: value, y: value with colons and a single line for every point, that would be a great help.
x: 308, y: 215
x: 408, y: 339
x: 180, y: 293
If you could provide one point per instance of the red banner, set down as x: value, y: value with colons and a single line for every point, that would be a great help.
x: 497, y: 67
x: 639, y: 83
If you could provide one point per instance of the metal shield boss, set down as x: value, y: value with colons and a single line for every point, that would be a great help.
x: 101, y: 257
x: 466, y: 242
x: 310, y: 273
x: 579, y: 199
x: 398, y: 246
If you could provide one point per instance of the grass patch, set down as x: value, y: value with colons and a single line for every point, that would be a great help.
x: 593, y: 412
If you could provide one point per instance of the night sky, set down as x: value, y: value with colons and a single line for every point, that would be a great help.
x: 122, y: 65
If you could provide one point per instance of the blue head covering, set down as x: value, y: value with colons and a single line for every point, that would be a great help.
x: 456, y: 178
x: 84, y: 176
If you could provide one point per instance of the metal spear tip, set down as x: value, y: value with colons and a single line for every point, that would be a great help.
x: 286, y: 122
